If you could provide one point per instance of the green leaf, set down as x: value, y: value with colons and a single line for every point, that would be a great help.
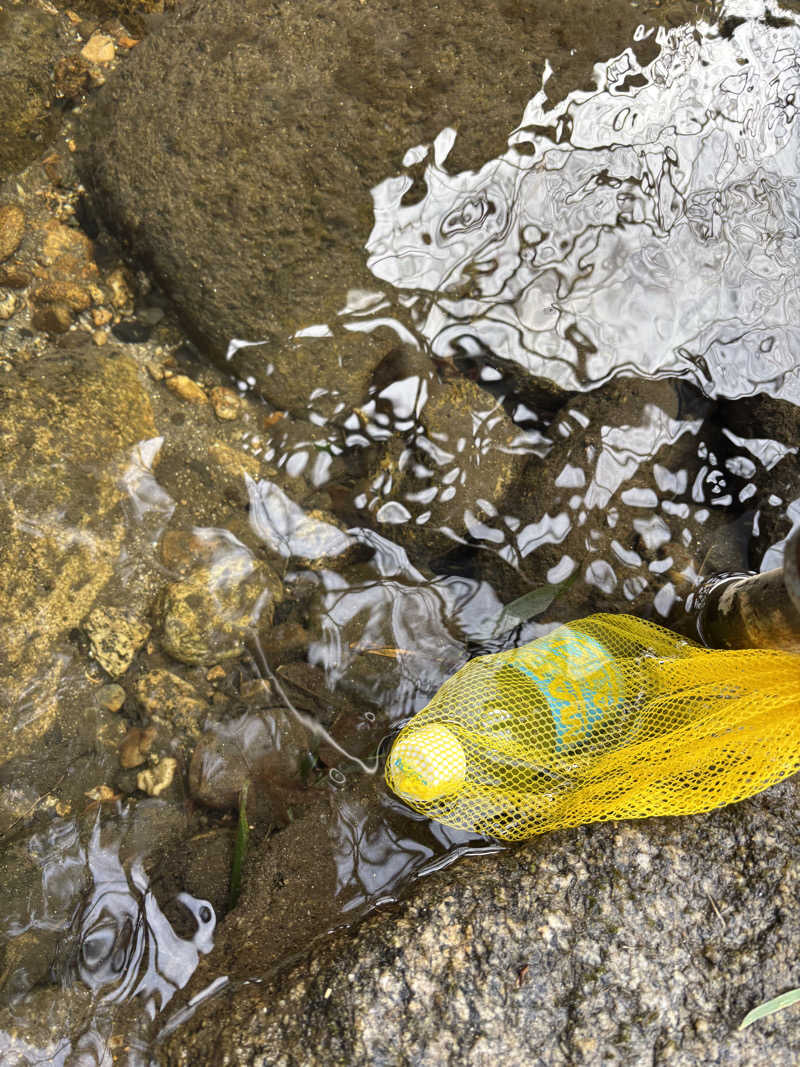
x: 769, y: 1007
x: 530, y: 605
x: 239, y: 849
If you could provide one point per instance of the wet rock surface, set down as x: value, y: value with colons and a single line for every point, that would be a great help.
x: 31, y: 46
x: 563, y: 952
x: 267, y: 750
x: 346, y: 90
x: 64, y: 423
x: 437, y: 485
x: 204, y: 617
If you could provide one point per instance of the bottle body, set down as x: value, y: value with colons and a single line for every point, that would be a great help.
x: 532, y: 717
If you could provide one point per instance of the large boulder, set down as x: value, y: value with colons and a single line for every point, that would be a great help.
x: 632, y: 943
x: 236, y: 150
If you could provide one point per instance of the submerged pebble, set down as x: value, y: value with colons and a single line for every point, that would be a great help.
x: 265, y: 749
x: 111, y: 697
x: 156, y: 780
x: 135, y: 746
x: 205, y: 617
x: 115, y: 638
x: 12, y: 229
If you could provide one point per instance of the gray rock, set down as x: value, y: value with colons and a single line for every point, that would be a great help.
x: 244, y: 181
x: 634, y: 943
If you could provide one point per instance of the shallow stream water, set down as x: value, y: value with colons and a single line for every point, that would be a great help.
x: 620, y: 289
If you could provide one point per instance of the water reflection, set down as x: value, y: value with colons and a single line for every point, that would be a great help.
x: 94, y: 924
x: 376, y: 855
x: 648, y: 227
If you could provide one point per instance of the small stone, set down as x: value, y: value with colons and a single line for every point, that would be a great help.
x: 61, y: 240
x: 167, y: 698
x: 52, y: 318
x: 227, y: 403
x: 99, y: 49
x: 135, y: 746
x: 187, y: 389
x: 156, y: 780
x: 13, y: 276
x: 71, y: 77
x: 111, y: 697
x: 101, y: 316
x: 155, y: 370
x: 74, y: 296
x: 115, y: 638
x: 216, y: 674
x: 101, y: 794
x: 124, y: 41
x: 8, y: 305
x: 121, y: 289
x: 12, y: 228
x: 100, y: 338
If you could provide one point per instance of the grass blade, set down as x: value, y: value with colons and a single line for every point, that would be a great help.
x: 530, y: 605
x: 769, y: 1007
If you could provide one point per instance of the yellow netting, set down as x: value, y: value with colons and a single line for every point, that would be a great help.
x: 606, y: 718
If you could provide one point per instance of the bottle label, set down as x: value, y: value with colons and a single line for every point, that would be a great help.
x: 577, y: 677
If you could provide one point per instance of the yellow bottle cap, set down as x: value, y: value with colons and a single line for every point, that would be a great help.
x: 427, y: 763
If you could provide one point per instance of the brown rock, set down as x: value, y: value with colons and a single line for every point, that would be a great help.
x: 135, y: 746
x: 265, y: 749
x: 12, y: 228
x: 14, y: 277
x: 99, y: 49
x: 115, y: 638
x: 206, y: 616
x: 157, y: 779
x: 227, y: 403
x: 121, y: 289
x: 71, y: 77
x: 186, y: 389
x: 74, y: 296
x: 52, y: 318
x: 111, y: 697
x: 61, y: 240
x: 8, y: 305
x: 169, y: 699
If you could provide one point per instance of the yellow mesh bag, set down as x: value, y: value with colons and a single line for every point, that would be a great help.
x: 610, y: 717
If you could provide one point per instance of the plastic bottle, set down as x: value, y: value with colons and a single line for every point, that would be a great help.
x: 528, y: 719
x: 606, y: 718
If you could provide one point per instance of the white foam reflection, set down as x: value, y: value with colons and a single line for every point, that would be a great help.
x: 108, y: 934
x: 649, y: 226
